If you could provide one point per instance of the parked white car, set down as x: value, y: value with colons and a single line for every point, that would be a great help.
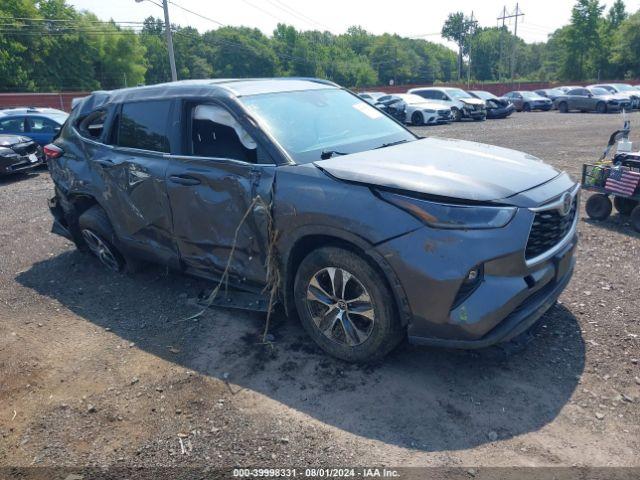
x: 419, y: 111
x: 462, y: 104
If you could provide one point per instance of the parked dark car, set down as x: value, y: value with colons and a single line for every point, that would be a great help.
x: 496, y: 107
x: 371, y: 97
x: 550, y: 93
x: 592, y: 99
x: 528, y: 101
x: 40, y: 126
x: 393, y: 106
x: 380, y: 234
x: 18, y: 154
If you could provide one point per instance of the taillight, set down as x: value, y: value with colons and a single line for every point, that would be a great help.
x: 52, y: 151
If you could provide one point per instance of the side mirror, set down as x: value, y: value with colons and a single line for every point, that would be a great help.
x: 590, y: 95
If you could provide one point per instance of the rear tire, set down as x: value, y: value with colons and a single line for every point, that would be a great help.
x: 563, y: 107
x: 327, y: 304
x: 100, y: 238
x: 417, y: 119
x: 601, y: 107
x: 526, y: 107
x: 599, y: 207
x: 624, y: 205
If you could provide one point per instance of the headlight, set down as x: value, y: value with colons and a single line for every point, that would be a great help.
x: 428, y: 110
x: 459, y: 217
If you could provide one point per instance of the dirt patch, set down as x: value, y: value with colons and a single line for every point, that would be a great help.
x: 103, y: 369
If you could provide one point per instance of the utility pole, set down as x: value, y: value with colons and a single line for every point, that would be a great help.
x: 518, y: 13
x: 167, y: 30
x: 501, y: 62
x: 472, y: 28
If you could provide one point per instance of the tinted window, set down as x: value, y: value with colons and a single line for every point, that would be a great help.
x: 12, y: 125
x: 143, y: 125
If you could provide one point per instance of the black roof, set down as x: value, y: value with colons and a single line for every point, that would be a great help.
x: 237, y: 87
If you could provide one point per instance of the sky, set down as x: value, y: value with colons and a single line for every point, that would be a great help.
x: 411, y: 18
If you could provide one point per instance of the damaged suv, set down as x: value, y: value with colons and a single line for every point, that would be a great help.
x: 376, y: 234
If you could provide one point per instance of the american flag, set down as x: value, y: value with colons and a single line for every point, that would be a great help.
x: 622, y: 181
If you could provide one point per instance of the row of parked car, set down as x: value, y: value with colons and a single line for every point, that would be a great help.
x: 23, y: 133
x: 436, y: 105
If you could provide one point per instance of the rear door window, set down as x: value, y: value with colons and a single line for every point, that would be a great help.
x: 144, y: 125
x: 42, y: 125
x: 12, y: 125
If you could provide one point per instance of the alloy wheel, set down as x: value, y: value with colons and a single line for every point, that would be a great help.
x: 340, y: 306
x: 101, y: 249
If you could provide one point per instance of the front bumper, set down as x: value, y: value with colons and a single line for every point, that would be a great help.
x: 514, y: 293
x: 16, y: 164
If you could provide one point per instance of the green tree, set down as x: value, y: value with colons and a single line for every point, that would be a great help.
x: 626, y: 47
x: 617, y: 14
x: 457, y: 28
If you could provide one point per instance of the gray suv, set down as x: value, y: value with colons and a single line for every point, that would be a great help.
x: 375, y: 234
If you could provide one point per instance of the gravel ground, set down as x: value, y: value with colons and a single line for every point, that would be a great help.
x: 102, y: 369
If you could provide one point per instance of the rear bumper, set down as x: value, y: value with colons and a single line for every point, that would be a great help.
x: 59, y: 226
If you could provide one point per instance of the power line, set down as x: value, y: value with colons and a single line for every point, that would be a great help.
x: 197, y: 14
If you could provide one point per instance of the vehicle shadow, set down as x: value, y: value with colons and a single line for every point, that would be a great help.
x: 614, y: 223
x: 18, y: 177
x: 424, y: 399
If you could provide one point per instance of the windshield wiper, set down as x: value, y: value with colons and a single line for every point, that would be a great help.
x: 391, y: 144
x: 327, y: 154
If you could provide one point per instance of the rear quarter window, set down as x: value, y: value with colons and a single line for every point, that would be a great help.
x: 144, y: 125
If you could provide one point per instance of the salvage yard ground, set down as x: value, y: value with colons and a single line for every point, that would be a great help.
x: 101, y: 369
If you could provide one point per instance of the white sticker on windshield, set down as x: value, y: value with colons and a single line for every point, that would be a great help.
x: 367, y: 109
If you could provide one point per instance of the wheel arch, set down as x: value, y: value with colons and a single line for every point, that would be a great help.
x: 310, y: 239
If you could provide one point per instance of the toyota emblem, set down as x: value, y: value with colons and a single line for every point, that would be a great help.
x: 565, y: 208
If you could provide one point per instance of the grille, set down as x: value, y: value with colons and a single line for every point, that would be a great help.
x: 548, y: 229
x: 25, y: 148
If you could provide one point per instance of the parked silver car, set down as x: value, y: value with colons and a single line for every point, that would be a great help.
x: 623, y: 89
x: 592, y: 99
x: 462, y: 104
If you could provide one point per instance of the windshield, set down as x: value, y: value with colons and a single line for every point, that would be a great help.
x: 411, y: 98
x: 623, y: 87
x: 532, y: 96
x: 457, y: 93
x: 309, y: 122
x: 58, y: 117
x: 483, y: 95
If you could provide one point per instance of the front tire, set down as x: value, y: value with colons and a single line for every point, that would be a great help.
x: 599, y: 207
x: 345, y: 305
x: 563, y: 107
x: 100, y: 238
x: 456, y: 114
x: 417, y: 119
x: 601, y: 107
x: 526, y: 107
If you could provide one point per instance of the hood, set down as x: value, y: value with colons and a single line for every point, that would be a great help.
x: 472, y: 101
x: 444, y: 167
x: 8, y: 140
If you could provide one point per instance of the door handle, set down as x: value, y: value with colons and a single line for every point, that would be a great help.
x: 184, y: 180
